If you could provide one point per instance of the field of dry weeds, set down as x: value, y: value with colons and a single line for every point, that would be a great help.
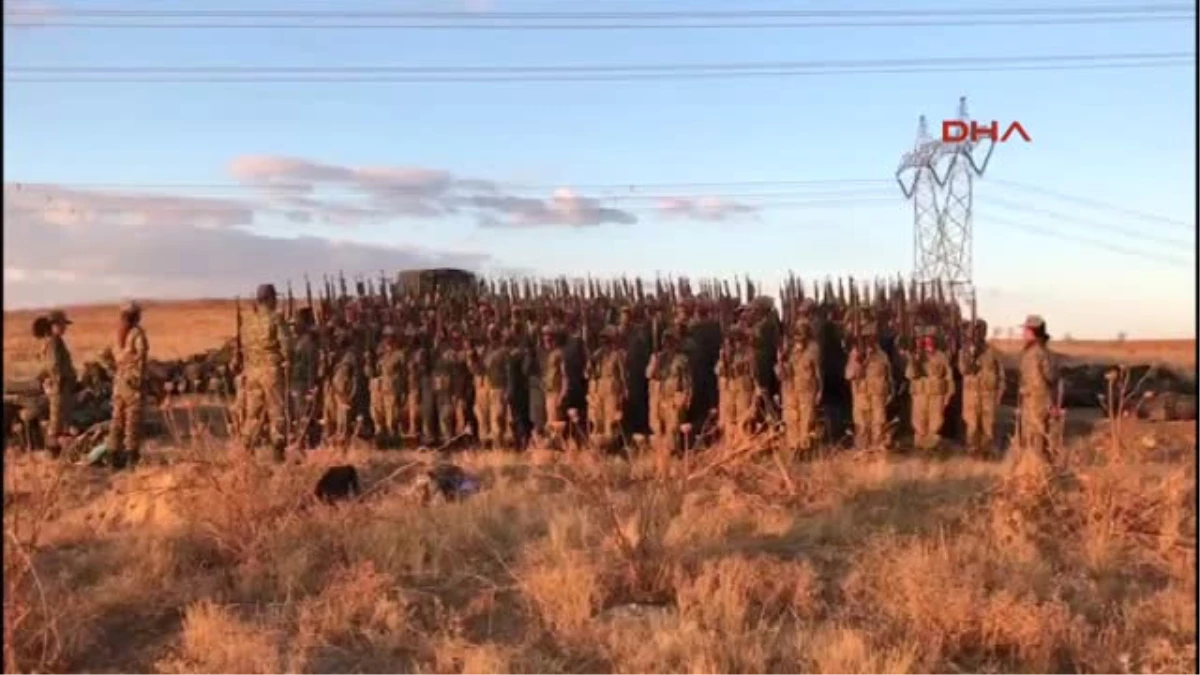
x: 205, y: 561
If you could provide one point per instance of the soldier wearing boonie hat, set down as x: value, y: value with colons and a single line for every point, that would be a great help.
x: 60, y: 380
x: 1039, y: 378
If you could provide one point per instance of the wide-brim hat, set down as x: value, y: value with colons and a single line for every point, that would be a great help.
x: 58, y: 317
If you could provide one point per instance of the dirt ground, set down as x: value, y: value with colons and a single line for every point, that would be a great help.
x: 735, y: 560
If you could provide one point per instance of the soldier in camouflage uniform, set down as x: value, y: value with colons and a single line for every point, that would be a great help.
x: 1039, y: 380
x: 492, y: 389
x: 735, y: 374
x: 801, y: 382
x: 130, y: 352
x: 341, y: 394
x: 305, y: 371
x: 449, y: 384
x: 869, y: 373
x: 670, y: 370
x: 983, y: 388
x: 59, y: 381
x: 554, y: 382
x: 266, y: 346
x: 931, y: 383
x: 389, y: 390
x: 606, y: 388
x: 419, y: 391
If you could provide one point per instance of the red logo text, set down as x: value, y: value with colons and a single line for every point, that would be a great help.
x: 959, y: 131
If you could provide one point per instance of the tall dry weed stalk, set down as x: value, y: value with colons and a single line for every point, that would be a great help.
x: 32, y: 639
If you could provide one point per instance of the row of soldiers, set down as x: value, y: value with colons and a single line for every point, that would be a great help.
x: 611, y: 365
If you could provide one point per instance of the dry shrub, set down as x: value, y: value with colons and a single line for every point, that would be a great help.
x: 738, y: 593
x: 841, y: 649
x: 215, y: 640
x: 941, y: 594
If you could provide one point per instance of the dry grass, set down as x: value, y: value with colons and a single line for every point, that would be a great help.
x: 577, y: 564
x: 182, y: 328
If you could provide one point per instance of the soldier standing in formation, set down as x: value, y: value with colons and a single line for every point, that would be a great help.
x: 713, y: 359
x: 931, y: 384
x: 870, y: 375
x: 266, y: 348
x: 983, y: 386
x: 130, y: 353
x: 800, y: 386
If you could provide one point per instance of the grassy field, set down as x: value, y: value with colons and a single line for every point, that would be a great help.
x: 731, y: 561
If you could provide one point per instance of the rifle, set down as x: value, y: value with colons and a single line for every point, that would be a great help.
x: 291, y: 303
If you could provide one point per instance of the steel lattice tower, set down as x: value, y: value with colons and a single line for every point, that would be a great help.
x: 939, y: 179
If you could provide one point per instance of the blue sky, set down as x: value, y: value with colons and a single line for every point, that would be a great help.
x: 1122, y: 137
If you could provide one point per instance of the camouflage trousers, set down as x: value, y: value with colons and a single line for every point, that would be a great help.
x: 339, y: 416
x: 870, y: 420
x: 666, y: 418
x: 1035, y: 427
x: 451, y: 413
x: 264, y: 402
x: 735, y: 409
x: 386, y: 407
x: 59, y: 403
x: 928, y: 417
x: 799, y: 417
x: 125, y: 430
x: 491, y: 414
x: 979, y: 419
x: 605, y: 409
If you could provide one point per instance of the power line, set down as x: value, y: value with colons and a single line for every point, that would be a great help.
x: 1092, y: 203
x: 671, y: 68
x: 264, y: 75
x: 1043, y: 10
x: 909, y: 23
x: 631, y: 188
x: 1066, y: 217
x: 1077, y: 239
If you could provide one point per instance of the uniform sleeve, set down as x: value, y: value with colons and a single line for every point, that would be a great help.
x: 140, y: 349
x: 651, y: 366
x: 1049, y: 368
x: 948, y: 377
x: 910, y: 369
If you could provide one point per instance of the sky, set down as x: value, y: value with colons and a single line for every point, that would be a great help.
x: 117, y: 190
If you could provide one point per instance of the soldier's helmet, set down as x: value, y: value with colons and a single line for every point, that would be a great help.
x: 1035, y: 322
x: 131, y: 308
x: 981, y: 327
x: 802, y: 326
x: 305, y: 317
x: 58, y: 317
x: 265, y: 293
x: 806, y: 306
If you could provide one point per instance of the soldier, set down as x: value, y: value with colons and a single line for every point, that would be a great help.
x: 740, y: 388
x: 389, y: 390
x: 306, y: 356
x: 554, y: 382
x: 983, y: 388
x: 801, y: 383
x: 419, y: 392
x: 1039, y: 379
x: 492, y: 390
x: 59, y: 381
x: 607, y: 388
x: 931, y: 383
x: 266, y: 345
x: 447, y: 386
x: 670, y: 369
x: 870, y: 376
x: 341, y: 395
x: 128, y: 397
